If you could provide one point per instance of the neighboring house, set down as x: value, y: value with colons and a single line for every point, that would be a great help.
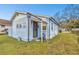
x: 4, y: 25
x: 27, y: 26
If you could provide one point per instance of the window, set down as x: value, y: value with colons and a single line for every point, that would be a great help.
x: 18, y: 26
x: 21, y: 26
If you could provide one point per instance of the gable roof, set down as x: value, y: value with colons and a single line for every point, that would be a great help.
x: 24, y: 13
x: 38, y: 16
x: 5, y: 22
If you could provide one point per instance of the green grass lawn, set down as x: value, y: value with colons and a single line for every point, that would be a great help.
x: 64, y: 43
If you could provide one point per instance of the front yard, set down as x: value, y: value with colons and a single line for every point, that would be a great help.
x: 64, y: 43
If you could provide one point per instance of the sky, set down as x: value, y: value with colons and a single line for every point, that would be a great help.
x: 7, y: 10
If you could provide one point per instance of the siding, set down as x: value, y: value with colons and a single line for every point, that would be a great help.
x: 51, y: 28
x: 20, y: 32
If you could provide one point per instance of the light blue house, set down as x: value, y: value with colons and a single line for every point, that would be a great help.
x: 27, y: 27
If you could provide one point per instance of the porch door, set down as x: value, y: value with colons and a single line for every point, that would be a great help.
x: 35, y: 29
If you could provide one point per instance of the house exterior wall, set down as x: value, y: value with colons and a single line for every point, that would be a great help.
x: 56, y: 29
x: 23, y: 31
x: 19, y: 28
x: 53, y: 29
x: 47, y: 28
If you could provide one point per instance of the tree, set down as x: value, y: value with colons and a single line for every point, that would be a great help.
x: 68, y: 17
x: 70, y: 24
x: 70, y: 12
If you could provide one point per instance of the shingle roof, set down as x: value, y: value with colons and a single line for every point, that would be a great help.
x: 5, y: 22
